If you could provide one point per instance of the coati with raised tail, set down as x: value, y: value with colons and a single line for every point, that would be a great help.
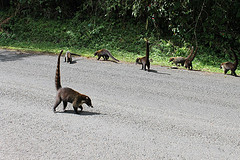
x: 226, y: 66
x: 144, y: 60
x: 105, y: 54
x: 67, y: 94
x: 190, y: 58
x: 68, y: 57
x: 177, y: 60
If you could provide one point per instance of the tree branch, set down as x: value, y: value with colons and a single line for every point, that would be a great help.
x: 195, y: 28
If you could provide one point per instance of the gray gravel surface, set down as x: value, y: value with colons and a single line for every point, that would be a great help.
x: 162, y: 114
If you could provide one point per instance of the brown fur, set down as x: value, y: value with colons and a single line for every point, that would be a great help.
x: 67, y: 94
x: 144, y: 60
x: 190, y: 58
x: 68, y: 57
x: 226, y: 66
x: 177, y: 60
x: 105, y: 54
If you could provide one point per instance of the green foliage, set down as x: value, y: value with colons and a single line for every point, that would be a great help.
x: 211, y: 23
x: 94, y: 33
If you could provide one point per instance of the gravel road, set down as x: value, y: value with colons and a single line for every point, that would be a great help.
x: 162, y: 114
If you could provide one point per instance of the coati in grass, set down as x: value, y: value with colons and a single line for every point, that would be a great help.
x: 68, y: 57
x: 177, y: 60
x: 67, y: 94
x: 226, y: 66
x: 105, y: 54
x: 144, y: 60
x: 190, y: 58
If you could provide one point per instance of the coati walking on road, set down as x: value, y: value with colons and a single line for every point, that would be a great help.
x: 105, y: 54
x: 67, y: 94
x: 144, y: 60
x: 190, y: 58
x: 177, y: 60
x: 68, y: 57
x: 226, y: 66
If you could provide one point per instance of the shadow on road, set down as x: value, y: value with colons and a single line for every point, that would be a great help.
x: 154, y: 71
x: 83, y: 113
x: 74, y: 61
x: 109, y: 60
x: 6, y: 56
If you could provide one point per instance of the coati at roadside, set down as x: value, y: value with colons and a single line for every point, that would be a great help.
x: 190, y: 58
x: 144, y: 60
x: 68, y: 57
x: 177, y: 60
x: 226, y: 66
x: 105, y: 54
x: 67, y: 94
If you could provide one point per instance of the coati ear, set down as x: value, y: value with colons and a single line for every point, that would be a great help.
x: 87, y: 98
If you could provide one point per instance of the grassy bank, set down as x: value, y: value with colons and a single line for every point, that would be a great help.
x: 84, y: 37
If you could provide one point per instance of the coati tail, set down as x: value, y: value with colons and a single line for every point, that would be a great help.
x: 190, y: 53
x: 110, y: 55
x: 236, y: 59
x: 192, y: 58
x: 147, y: 49
x: 57, y: 77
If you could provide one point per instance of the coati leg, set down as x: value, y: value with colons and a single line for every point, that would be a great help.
x: 225, y: 71
x: 99, y: 57
x: 143, y: 65
x: 148, y: 65
x: 81, y: 107
x: 75, y: 106
x: 64, y: 105
x: 57, y: 102
x: 106, y: 58
x: 190, y: 66
x: 70, y: 60
x: 75, y: 109
x: 233, y: 73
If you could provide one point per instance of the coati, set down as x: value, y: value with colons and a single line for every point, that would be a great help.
x: 68, y: 57
x: 144, y: 60
x: 67, y: 94
x: 226, y: 66
x: 105, y: 54
x: 189, y: 59
x: 177, y: 60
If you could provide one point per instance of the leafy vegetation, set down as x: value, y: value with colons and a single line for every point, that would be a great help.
x: 121, y: 26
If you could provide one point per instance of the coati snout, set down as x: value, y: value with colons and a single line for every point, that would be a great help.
x: 88, y: 102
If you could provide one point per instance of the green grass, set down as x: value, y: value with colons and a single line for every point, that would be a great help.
x: 84, y: 37
x: 121, y: 55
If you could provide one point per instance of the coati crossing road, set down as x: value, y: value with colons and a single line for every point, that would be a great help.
x: 66, y: 94
x: 105, y: 54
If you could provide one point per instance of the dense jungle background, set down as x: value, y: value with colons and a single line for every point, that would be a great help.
x: 121, y: 26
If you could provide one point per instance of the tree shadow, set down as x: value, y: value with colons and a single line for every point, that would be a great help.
x: 6, y: 55
x: 81, y: 113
